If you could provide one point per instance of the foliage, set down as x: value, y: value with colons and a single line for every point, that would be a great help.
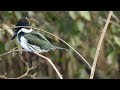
x: 81, y: 29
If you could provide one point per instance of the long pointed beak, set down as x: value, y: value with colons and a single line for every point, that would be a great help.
x: 14, y: 36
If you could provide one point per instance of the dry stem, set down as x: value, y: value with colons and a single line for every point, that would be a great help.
x: 99, y: 45
x: 60, y: 76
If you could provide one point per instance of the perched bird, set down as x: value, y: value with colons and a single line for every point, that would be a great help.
x: 31, y: 40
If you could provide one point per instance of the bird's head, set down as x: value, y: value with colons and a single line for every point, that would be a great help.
x: 22, y: 22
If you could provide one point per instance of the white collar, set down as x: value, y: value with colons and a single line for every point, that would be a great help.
x: 25, y: 30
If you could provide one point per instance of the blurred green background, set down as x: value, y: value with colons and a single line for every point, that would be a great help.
x: 80, y: 29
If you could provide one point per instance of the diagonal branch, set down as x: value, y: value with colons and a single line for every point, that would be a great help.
x: 28, y: 69
x: 12, y: 51
x: 60, y: 76
x: 100, y: 44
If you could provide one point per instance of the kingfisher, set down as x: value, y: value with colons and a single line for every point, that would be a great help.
x: 31, y: 40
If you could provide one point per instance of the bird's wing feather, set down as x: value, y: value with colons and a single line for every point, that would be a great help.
x: 39, y: 35
x: 38, y: 39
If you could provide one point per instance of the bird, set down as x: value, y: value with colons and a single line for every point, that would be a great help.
x: 31, y: 40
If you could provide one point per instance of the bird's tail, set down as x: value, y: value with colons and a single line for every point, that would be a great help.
x: 61, y: 48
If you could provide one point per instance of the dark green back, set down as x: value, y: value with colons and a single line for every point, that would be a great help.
x: 38, y: 39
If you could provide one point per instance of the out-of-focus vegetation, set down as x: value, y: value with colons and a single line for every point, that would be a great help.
x: 80, y: 29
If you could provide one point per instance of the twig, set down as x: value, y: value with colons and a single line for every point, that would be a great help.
x: 99, y: 45
x: 26, y: 73
x: 60, y: 76
x: 12, y: 51
x: 23, y: 75
x: 28, y: 69
x: 3, y: 76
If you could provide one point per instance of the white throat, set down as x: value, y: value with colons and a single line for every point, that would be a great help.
x: 25, y: 30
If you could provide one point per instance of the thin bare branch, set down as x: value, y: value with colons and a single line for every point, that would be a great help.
x: 99, y: 45
x: 23, y: 75
x: 60, y: 76
x: 3, y: 77
x: 11, y: 51
x: 29, y: 69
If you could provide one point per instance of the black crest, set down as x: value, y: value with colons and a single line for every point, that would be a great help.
x: 23, y: 22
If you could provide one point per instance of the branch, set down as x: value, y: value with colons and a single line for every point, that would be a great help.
x: 60, y: 76
x: 12, y: 52
x: 28, y: 69
x: 100, y: 44
x: 3, y: 76
x: 23, y: 75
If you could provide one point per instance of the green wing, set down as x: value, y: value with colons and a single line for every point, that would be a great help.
x: 38, y: 39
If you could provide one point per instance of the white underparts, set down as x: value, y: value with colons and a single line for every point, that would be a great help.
x: 29, y: 47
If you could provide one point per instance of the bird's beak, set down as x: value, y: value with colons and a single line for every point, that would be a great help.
x: 14, y: 35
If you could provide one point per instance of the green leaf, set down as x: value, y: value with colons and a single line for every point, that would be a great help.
x: 2, y: 48
x: 80, y: 25
x: 7, y: 14
x: 83, y: 73
x: 115, y: 29
x: 73, y: 14
x: 18, y: 15
x: 117, y: 40
x: 92, y: 52
x: 85, y: 15
x: 111, y: 58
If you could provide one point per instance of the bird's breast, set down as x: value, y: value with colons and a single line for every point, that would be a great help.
x: 23, y: 42
x: 31, y: 48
